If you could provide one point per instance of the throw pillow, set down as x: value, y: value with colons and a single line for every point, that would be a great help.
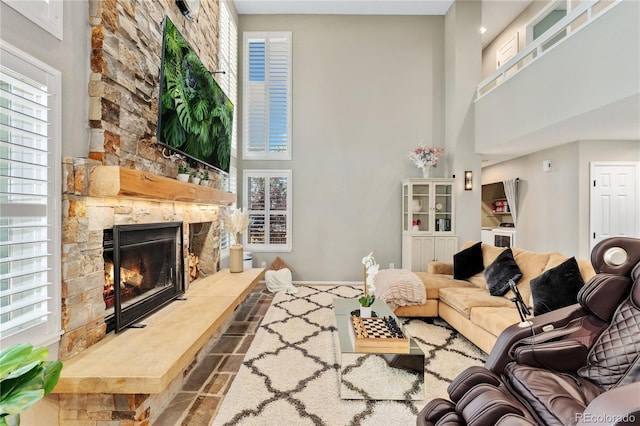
x: 557, y: 287
x: 280, y: 280
x: 468, y: 262
x: 501, y: 270
x: 278, y: 264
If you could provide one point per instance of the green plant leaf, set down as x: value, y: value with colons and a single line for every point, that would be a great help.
x: 19, y: 401
x: 12, y: 356
x: 22, y: 370
x: 39, y: 353
x: 51, y: 375
x: 367, y: 301
x: 173, y: 132
x: 28, y: 377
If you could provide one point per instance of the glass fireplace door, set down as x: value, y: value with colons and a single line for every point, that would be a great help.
x: 146, y: 263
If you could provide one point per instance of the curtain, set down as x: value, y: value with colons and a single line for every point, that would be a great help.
x: 511, y: 191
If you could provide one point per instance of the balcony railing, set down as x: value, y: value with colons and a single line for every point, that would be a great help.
x: 578, y: 18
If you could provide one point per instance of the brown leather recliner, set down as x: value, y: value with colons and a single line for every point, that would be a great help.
x: 575, y: 365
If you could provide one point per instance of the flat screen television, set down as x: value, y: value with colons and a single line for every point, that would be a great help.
x: 195, y: 117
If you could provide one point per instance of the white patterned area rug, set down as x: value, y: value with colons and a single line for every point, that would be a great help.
x: 290, y: 374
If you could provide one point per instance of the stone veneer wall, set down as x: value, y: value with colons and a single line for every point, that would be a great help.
x: 126, y: 50
x: 126, y: 44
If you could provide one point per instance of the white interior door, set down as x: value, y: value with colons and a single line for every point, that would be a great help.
x: 507, y: 51
x: 615, y: 200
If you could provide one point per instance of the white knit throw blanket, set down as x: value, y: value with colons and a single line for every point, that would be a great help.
x: 399, y: 287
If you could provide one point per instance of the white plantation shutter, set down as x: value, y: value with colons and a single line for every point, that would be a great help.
x: 228, y: 59
x: 228, y: 55
x: 267, y: 95
x: 268, y: 200
x: 29, y: 199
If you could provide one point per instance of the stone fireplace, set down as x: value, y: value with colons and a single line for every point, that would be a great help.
x: 97, y: 198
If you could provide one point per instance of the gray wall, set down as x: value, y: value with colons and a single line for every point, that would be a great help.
x: 463, y: 64
x: 366, y: 90
x: 70, y: 56
x: 553, y: 208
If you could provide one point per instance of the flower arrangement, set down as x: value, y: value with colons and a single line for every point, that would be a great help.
x: 370, y: 271
x: 236, y: 223
x: 425, y: 157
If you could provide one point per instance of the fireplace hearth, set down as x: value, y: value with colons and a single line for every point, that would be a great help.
x: 143, y: 271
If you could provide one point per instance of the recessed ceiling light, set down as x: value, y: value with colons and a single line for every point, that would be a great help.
x: 483, y: 30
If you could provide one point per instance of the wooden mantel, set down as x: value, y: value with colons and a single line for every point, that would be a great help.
x: 116, y: 181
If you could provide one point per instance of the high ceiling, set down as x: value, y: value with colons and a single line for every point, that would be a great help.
x: 496, y: 14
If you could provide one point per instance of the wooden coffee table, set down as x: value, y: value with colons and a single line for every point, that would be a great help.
x: 385, y: 373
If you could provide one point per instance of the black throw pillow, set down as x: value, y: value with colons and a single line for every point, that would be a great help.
x: 501, y: 270
x: 468, y: 262
x: 557, y: 287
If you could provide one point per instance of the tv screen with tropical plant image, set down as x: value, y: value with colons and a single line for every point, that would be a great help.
x: 195, y: 117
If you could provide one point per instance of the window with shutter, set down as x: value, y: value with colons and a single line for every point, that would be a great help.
x: 228, y: 59
x: 268, y: 200
x: 29, y: 199
x: 267, y: 96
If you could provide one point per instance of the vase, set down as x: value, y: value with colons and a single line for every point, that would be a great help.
x: 236, y: 253
x: 365, y: 311
x: 183, y: 177
x: 426, y: 171
x: 416, y: 205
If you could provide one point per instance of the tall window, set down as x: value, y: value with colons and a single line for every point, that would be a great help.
x: 228, y: 59
x: 267, y: 96
x: 29, y: 199
x: 268, y: 199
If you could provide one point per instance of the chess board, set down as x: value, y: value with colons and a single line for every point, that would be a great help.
x: 379, y: 334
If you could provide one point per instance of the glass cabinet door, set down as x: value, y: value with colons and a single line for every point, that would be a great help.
x: 406, y: 215
x: 443, y: 207
x: 427, y: 206
x: 419, y: 207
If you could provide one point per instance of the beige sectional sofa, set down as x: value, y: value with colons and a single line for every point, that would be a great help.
x: 467, y: 305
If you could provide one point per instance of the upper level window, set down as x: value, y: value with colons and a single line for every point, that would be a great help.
x: 267, y: 96
x: 547, y: 18
x: 268, y: 200
x: 30, y: 166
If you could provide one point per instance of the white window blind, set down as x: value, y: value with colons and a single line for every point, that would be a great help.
x: 228, y: 55
x: 29, y: 199
x: 268, y: 200
x: 228, y: 59
x: 267, y: 96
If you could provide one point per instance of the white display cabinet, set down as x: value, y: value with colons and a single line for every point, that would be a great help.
x: 428, y: 222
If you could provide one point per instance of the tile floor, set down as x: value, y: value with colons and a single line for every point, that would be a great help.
x: 198, y: 401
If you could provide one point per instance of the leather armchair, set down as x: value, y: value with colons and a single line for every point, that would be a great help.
x: 575, y: 365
